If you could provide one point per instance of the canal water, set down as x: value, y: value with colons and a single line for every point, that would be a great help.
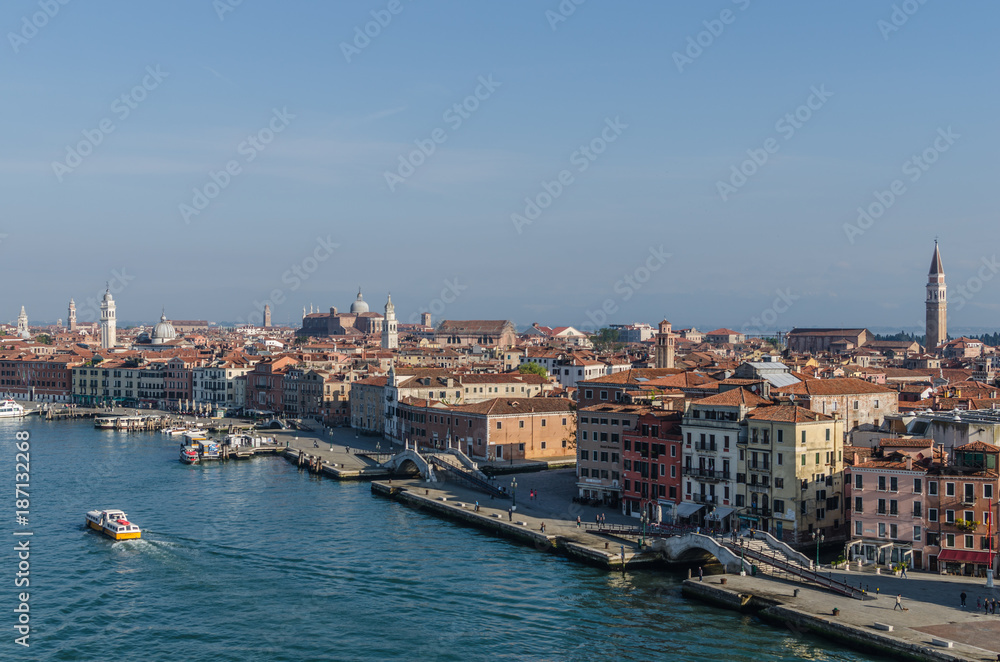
x: 255, y: 560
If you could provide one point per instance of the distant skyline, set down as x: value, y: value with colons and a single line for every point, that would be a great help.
x: 713, y: 164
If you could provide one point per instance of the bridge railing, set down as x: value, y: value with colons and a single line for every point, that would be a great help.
x: 798, y: 571
x: 469, y: 477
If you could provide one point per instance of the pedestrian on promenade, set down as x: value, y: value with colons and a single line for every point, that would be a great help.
x: 979, y: 603
x: 701, y: 574
x: 348, y: 450
x: 542, y: 528
x: 903, y: 573
x: 597, y: 520
x: 962, y: 597
x: 510, y: 515
x: 578, y: 521
x: 477, y: 506
x: 986, y: 606
x: 899, y: 603
x: 993, y: 606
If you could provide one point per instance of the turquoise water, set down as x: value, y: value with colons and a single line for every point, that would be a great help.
x: 254, y: 560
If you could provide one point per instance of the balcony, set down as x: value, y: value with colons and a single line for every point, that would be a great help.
x: 764, y: 468
x: 759, y: 512
x: 759, y: 487
x: 709, y: 474
x: 706, y: 447
x: 708, y: 499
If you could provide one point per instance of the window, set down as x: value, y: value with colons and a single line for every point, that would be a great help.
x: 520, y: 447
x: 779, y: 506
x: 673, y: 471
x: 584, y: 433
x: 881, y: 506
x: 779, y: 459
x: 781, y: 436
x: 739, y: 500
x: 604, y: 456
x: 970, y: 542
x: 628, y: 444
x: 932, y: 514
x: 673, y: 450
x: 564, y: 422
x: 856, y: 404
x: 627, y: 465
x: 917, y: 486
x: 499, y: 425
x: 881, y: 530
x: 893, y: 507
x: 893, y: 531
x: 987, y: 491
x: 916, y: 533
x: 949, y: 489
x: 520, y: 424
x: 858, y: 530
x: 881, y: 483
x: 604, y: 395
x: 893, y: 484
x: 932, y: 487
x: 584, y: 472
x: 817, y: 458
x: 803, y: 459
x: 859, y: 506
x: 917, y: 507
x: 859, y: 482
x: 949, y: 516
x: 803, y: 436
x: 584, y: 455
x: 949, y: 540
x: 543, y: 422
x: 614, y: 458
x: 828, y: 434
x: 969, y: 516
x: 970, y: 493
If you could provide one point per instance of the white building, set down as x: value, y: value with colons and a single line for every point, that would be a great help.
x: 635, y: 332
x: 220, y: 385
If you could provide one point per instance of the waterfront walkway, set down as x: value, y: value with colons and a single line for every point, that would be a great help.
x: 932, y: 608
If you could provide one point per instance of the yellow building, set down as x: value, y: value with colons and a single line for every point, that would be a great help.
x: 790, y: 480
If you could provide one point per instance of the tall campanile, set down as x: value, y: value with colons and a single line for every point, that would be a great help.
x: 937, y: 304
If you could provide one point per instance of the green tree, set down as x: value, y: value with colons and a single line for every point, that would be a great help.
x: 533, y: 369
x: 606, y: 340
x: 44, y: 339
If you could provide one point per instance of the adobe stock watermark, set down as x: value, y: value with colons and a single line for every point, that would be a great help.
x: 974, y: 284
x: 220, y: 180
x: 901, y: 13
x: 292, y: 279
x: 580, y: 159
x: 769, y: 317
x: 30, y: 25
x: 786, y: 127
x: 625, y: 288
x: 90, y: 311
x: 714, y: 28
x: 565, y: 9
x: 449, y: 294
x: 223, y: 7
x: 913, y: 169
x: 121, y: 108
x: 363, y: 35
x: 455, y: 116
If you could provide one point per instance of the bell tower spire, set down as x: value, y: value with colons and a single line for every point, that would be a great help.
x: 936, y: 304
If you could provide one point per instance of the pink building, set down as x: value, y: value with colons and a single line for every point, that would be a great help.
x: 886, y: 497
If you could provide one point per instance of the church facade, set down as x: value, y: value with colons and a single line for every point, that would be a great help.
x: 358, y: 322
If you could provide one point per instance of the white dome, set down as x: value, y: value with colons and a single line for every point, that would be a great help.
x: 163, y: 331
x: 359, y: 305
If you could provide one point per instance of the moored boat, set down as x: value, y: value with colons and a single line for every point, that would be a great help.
x: 10, y: 409
x: 113, y: 523
x: 189, y: 455
x: 209, y: 450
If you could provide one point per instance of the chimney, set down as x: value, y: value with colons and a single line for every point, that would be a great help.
x: 909, y: 462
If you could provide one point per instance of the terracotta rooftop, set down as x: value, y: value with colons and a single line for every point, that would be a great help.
x: 836, y: 386
x: 788, y: 414
x: 733, y: 398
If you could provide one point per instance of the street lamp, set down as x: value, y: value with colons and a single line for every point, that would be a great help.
x: 513, y: 493
x: 818, y: 538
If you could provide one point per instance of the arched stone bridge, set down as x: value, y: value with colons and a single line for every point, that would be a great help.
x: 695, y: 546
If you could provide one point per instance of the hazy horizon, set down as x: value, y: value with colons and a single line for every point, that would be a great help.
x: 520, y: 161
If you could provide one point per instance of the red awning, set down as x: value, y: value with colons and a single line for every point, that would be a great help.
x: 964, y: 556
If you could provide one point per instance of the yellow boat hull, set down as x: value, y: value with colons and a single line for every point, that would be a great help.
x: 111, y: 534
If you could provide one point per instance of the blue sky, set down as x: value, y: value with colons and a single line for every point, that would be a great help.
x: 442, y: 237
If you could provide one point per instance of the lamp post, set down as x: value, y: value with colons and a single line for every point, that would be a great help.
x: 818, y: 538
x: 513, y: 493
x: 642, y: 519
x: 989, y: 533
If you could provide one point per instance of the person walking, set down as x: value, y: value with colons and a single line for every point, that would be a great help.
x: 542, y: 528
x: 578, y: 521
x: 701, y: 574
x: 477, y: 506
x: 510, y: 515
x: 903, y: 572
x: 962, y: 597
x: 899, y: 602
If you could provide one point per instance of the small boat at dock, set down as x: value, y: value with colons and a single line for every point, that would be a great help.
x: 10, y: 409
x: 189, y: 455
x: 113, y: 523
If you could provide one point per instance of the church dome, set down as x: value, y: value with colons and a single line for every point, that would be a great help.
x: 163, y: 331
x: 359, y: 306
